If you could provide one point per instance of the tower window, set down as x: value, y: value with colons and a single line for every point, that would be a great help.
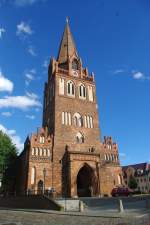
x: 78, y: 120
x: 41, y: 139
x: 75, y: 64
x: 91, y: 122
x: 88, y: 120
x: 79, y: 138
x: 66, y: 118
x: 33, y: 151
x: 63, y: 118
x: 70, y: 88
x: 45, y: 152
x: 85, y: 121
x: 37, y: 152
x: 82, y: 91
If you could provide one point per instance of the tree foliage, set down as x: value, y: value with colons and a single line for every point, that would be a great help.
x: 8, y: 151
x: 8, y: 155
x: 132, y: 183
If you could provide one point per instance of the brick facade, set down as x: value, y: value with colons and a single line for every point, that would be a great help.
x: 141, y: 173
x: 75, y: 162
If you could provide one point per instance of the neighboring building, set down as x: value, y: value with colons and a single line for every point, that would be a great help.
x: 141, y: 173
x: 67, y: 155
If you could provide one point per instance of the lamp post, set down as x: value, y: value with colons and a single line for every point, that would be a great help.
x: 44, y: 175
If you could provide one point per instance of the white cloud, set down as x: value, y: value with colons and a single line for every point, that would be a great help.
x: 31, y: 51
x: 21, y: 3
x: 20, y: 102
x: 119, y: 71
x: 46, y: 63
x: 5, y: 84
x: 33, y: 71
x: 12, y: 134
x: 7, y: 114
x: 2, y: 30
x: 24, y: 29
x: 31, y: 117
x: 29, y: 75
x: 137, y: 75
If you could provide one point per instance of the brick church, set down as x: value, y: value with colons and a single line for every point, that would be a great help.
x: 66, y: 154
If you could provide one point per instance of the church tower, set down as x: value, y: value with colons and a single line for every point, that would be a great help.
x: 70, y: 108
x: 67, y: 154
x: 71, y: 114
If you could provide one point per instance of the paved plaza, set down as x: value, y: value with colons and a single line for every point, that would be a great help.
x: 16, y: 217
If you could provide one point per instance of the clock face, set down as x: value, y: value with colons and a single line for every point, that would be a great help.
x: 75, y: 73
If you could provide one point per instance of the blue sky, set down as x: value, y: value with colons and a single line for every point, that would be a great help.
x: 113, y: 40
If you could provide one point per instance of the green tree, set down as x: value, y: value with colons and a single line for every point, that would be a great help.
x: 8, y: 155
x: 132, y: 183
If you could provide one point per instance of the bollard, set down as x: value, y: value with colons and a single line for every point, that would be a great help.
x: 121, y: 209
x: 81, y: 207
x: 147, y: 204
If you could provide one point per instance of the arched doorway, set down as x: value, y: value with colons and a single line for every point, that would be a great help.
x: 40, y: 187
x: 86, y: 182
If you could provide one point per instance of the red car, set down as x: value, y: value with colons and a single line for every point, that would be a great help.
x: 120, y: 191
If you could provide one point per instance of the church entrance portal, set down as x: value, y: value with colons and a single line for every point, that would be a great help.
x: 85, y: 181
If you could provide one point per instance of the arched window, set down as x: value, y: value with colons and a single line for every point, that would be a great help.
x: 78, y: 120
x: 70, y: 88
x: 33, y: 151
x: 82, y: 91
x: 88, y: 121
x: 45, y: 152
x: 33, y: 173
x: 107, y: 157
x: 63, y: 118
x: 79, y: 138
x: 91, y: 122
x: 69, y: 118
x: 37, y: 152
x: 41, y: 139
x: 75, y: 121
x: 66, y: 118
x: 75, y: 64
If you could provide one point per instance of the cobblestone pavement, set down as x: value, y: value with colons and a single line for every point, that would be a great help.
x: 9, y: 217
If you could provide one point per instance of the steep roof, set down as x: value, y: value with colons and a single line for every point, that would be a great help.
x: 141, y: 166
x: 67, y: 46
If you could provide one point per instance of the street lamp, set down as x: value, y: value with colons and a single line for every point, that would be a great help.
x: 44, y: 175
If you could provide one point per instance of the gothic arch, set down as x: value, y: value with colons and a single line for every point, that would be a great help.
x: 82, y: 91
x: 70, y: 88
x: 79, y: 138
x: 86, y: 181
x: 78, y: 120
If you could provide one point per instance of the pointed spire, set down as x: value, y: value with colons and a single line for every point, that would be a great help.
x: 67, y: 46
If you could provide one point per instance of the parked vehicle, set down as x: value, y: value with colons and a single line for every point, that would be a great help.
x: 121, y: 191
